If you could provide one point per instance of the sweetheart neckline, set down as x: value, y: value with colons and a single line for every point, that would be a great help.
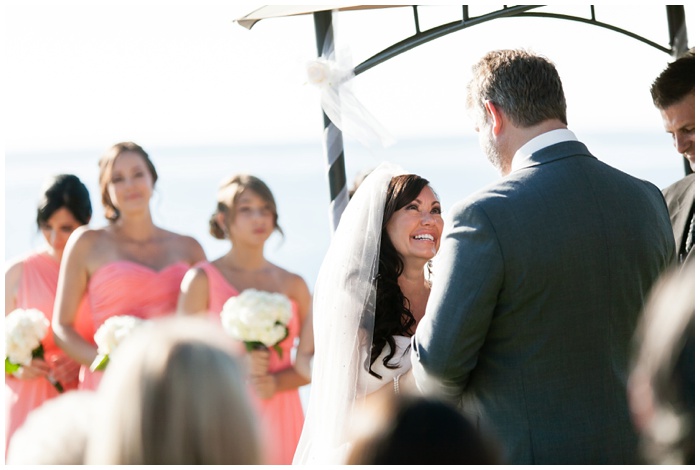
x: 139, y: 265
x: 234, y: 288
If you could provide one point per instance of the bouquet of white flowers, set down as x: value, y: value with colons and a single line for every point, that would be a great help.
x: 257, y: 318
x: 24, y: 330
x: 109, y: 335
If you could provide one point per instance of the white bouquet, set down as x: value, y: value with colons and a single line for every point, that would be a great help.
x: 257, y: 318
x: 24, y: 330
x: 109, y: 335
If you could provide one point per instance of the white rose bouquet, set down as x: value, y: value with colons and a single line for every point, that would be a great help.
x: 110, y: 335
x: 24, y: 330
x: 257, y: 318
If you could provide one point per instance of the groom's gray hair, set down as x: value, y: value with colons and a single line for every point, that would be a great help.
x: 526, y: 86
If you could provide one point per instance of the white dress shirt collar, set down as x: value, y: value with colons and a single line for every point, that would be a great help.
x: 522, y: 156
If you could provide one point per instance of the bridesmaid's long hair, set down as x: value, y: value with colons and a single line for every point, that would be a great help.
x: 393, y: 315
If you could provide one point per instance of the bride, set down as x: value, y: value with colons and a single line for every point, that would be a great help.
x: 370, y: 295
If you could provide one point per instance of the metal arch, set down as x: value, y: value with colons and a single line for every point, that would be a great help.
x: 434, y: 33
x: 675, y: 14
x: 678, y: 42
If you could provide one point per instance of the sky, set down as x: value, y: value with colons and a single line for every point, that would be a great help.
x: 79, y: 76
x: 86, y: 74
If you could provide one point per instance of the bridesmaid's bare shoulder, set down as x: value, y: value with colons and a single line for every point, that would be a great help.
x: 186, y: 246
x: 91, y: 247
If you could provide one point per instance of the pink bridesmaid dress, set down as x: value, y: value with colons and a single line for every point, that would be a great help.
x: 282, y: 416
x: 128, y: 288
x: 37, y: 289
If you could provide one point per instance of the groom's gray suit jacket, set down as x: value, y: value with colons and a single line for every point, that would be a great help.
x: 537, y: 290
x: 680, y: 199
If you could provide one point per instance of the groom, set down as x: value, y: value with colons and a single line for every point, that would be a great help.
x: 541, y: 278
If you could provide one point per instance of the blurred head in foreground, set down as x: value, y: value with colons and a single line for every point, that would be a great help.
x: 416, y: 430
x: 662, y: 383
x: 56, y: 432
x: 174, y: 394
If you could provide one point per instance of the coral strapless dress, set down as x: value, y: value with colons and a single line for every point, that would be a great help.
x: 282, y: 416
x: 127, y: 288
x: 37, y: 289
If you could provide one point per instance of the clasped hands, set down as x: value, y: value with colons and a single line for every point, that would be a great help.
x: 264, y: 384
x: 59, y: 368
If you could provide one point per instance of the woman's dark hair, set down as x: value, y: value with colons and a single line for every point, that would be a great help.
x: 393, y: 316
x: 64, y: 191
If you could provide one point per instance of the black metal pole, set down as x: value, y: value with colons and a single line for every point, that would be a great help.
x: 332, y: 136
x: 677, y: 30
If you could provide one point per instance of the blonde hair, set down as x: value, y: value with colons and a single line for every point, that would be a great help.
x: 55, y: 433
x: 174, y: 394
x: 229, y: 191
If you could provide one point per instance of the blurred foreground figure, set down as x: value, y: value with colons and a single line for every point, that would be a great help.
x: 662, y: 383
x: 416, y: 430
x: 55, y: 433
x: 174, y: 394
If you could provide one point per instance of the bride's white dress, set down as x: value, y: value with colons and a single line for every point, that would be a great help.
x: 343, y: 322
x: 401, y: 358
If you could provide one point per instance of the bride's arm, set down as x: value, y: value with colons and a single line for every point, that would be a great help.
x: 406, y: 385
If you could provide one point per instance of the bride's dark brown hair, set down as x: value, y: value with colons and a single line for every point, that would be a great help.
x: 393, y: 315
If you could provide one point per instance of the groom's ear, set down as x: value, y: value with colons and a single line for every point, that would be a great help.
x: 495, y: 115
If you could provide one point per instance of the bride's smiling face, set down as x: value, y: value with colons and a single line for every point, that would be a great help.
x: 416, y: 228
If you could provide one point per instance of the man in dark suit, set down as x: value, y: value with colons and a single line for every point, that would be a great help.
x: 673, y: 93
x: 541, y: 278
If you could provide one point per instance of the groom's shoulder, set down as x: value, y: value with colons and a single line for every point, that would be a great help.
x: 493, y: 193
x: 483, y: 200
x: 680, y: 185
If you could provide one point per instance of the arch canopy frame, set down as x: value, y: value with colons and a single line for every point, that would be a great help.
x: 675, y: 20
x: 335, y: 155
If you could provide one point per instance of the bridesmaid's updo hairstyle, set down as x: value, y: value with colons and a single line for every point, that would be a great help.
x: 106, y: 165
x: 227, y: 197
x: 64, y: 191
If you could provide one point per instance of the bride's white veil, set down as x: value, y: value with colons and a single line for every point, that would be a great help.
x: 343, y: 322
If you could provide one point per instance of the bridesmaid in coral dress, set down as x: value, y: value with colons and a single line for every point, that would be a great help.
x: 30, y: 283
x: 247, y: 215
x: 130, y: 267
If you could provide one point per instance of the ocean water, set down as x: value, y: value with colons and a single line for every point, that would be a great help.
x: 296, y: 173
